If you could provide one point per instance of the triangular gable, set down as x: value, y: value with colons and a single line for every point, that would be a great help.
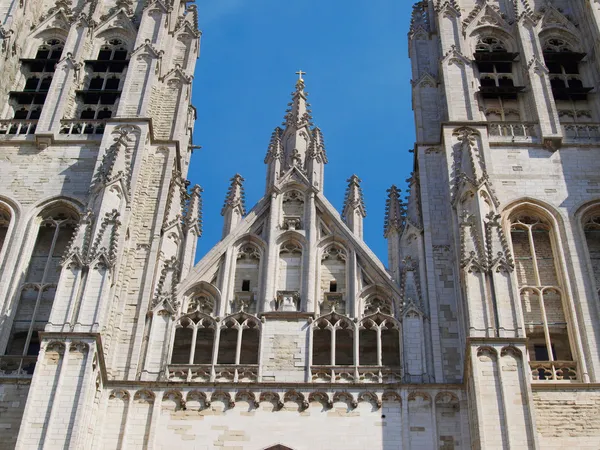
x: 186, y: 26
x: 369, y: 262
x: 58, y: 21
x: 149, y: 49
x: 179, y: 74
x: 118, y: 20
x: 208, y: 266
x: 483, y: 15
x: 293, y: 176
x: 156, y: 3
x: 553, y: 18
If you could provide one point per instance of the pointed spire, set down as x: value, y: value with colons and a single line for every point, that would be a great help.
x: 298, y: 113
x: 394, y: 212
x: 354, y: 206
x: 236, y: 198
x: 354, y: 196
x: 274, y: 151
x: 235, y: 205
x: 316, y: 149
x: 193, y: 213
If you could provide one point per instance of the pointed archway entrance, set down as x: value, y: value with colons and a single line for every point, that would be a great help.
x: 278, y: 447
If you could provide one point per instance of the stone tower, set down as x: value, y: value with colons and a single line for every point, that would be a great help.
x: 98, y: 223
x: 482, y: 332
x: 503, y: 213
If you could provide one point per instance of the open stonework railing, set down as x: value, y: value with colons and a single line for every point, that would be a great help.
x: 17, y: 366
x: 581, y: 132
x: 353, y: 374
x: 82, y: 127
x: 553, y: 370
x: 207, y: 373
x: 17, y: 126
x: 511, y: 130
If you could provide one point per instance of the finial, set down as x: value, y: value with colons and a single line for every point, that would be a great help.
x: 395, y: 212
x: 300, y: 73
x: 354, y: 196
x: 236, y: 197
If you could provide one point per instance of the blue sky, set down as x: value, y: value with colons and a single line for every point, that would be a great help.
x: 358, y: 78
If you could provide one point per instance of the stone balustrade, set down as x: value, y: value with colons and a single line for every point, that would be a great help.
x: 17, y: 126
x: 581, y: 132
x: 500, y: 131
x: 553, y: 370
x: 80, y: 126
x: 355, y: 374
x: 205, y: 373
x: 17, y: 366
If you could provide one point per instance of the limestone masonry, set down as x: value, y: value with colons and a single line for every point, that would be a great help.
x: 482, y: 333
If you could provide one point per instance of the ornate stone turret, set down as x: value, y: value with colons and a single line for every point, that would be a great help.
x: 298, y: 146
x: 394, y: 213
x: 354, y: 206
x: 235, y: 204
x: 393, y: 225
x: 192, y: 228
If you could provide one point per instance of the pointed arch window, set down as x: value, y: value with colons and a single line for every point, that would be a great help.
x: 105, y: 79
x: 566, y: 80
x: 289, y: 280
x: 293, y: 210
x: 5, y: 219
x: 379, y: 341
x: 36, y: 296
x: 194, y: 340
x: 542, y: 297
x: 591, y: 228
x: 333, y: 341
x: 333, y: 280
x: 247, y: 277
x: 199, y: 340
x: 496, y: 78
x: 38, y: 71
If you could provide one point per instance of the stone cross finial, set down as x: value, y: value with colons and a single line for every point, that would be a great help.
x: 300, y: 73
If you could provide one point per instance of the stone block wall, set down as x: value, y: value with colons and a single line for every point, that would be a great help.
x: 567, y: 418
x: 302, y: 420
x: 13, y: 396
x: 284, y: 350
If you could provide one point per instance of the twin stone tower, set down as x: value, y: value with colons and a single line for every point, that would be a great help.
x: 482, y: 333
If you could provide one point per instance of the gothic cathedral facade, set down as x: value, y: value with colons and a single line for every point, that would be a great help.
x: 483, y: 332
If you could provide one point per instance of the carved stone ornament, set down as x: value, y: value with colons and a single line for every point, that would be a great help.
x: 288, y: 301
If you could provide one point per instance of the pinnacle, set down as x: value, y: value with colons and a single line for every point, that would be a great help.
x: 354, y: 196
x: 394, y: 212
x: 298, y: 113
x: 236, y: 197
x: 274, y: 149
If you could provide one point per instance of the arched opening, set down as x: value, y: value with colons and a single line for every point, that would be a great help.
x: 367, y: 347
x: 566, y: 80
x: 228, y: 343
x: 542, y: 302
x: 591, y: 228
x: 250, y: 344
x: 5, y: 218
x: 205, y: 340
x: 293, y: 210
x: 182, y: 344
x: 390, y: 344
x: 290, y: 277
x: 246, y: 280
x: 344, y: 345
x: 321, y: 355
x: 57, y: 226
x: 27, y: 104
x: 333, y: 280
x: 497, y: 85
